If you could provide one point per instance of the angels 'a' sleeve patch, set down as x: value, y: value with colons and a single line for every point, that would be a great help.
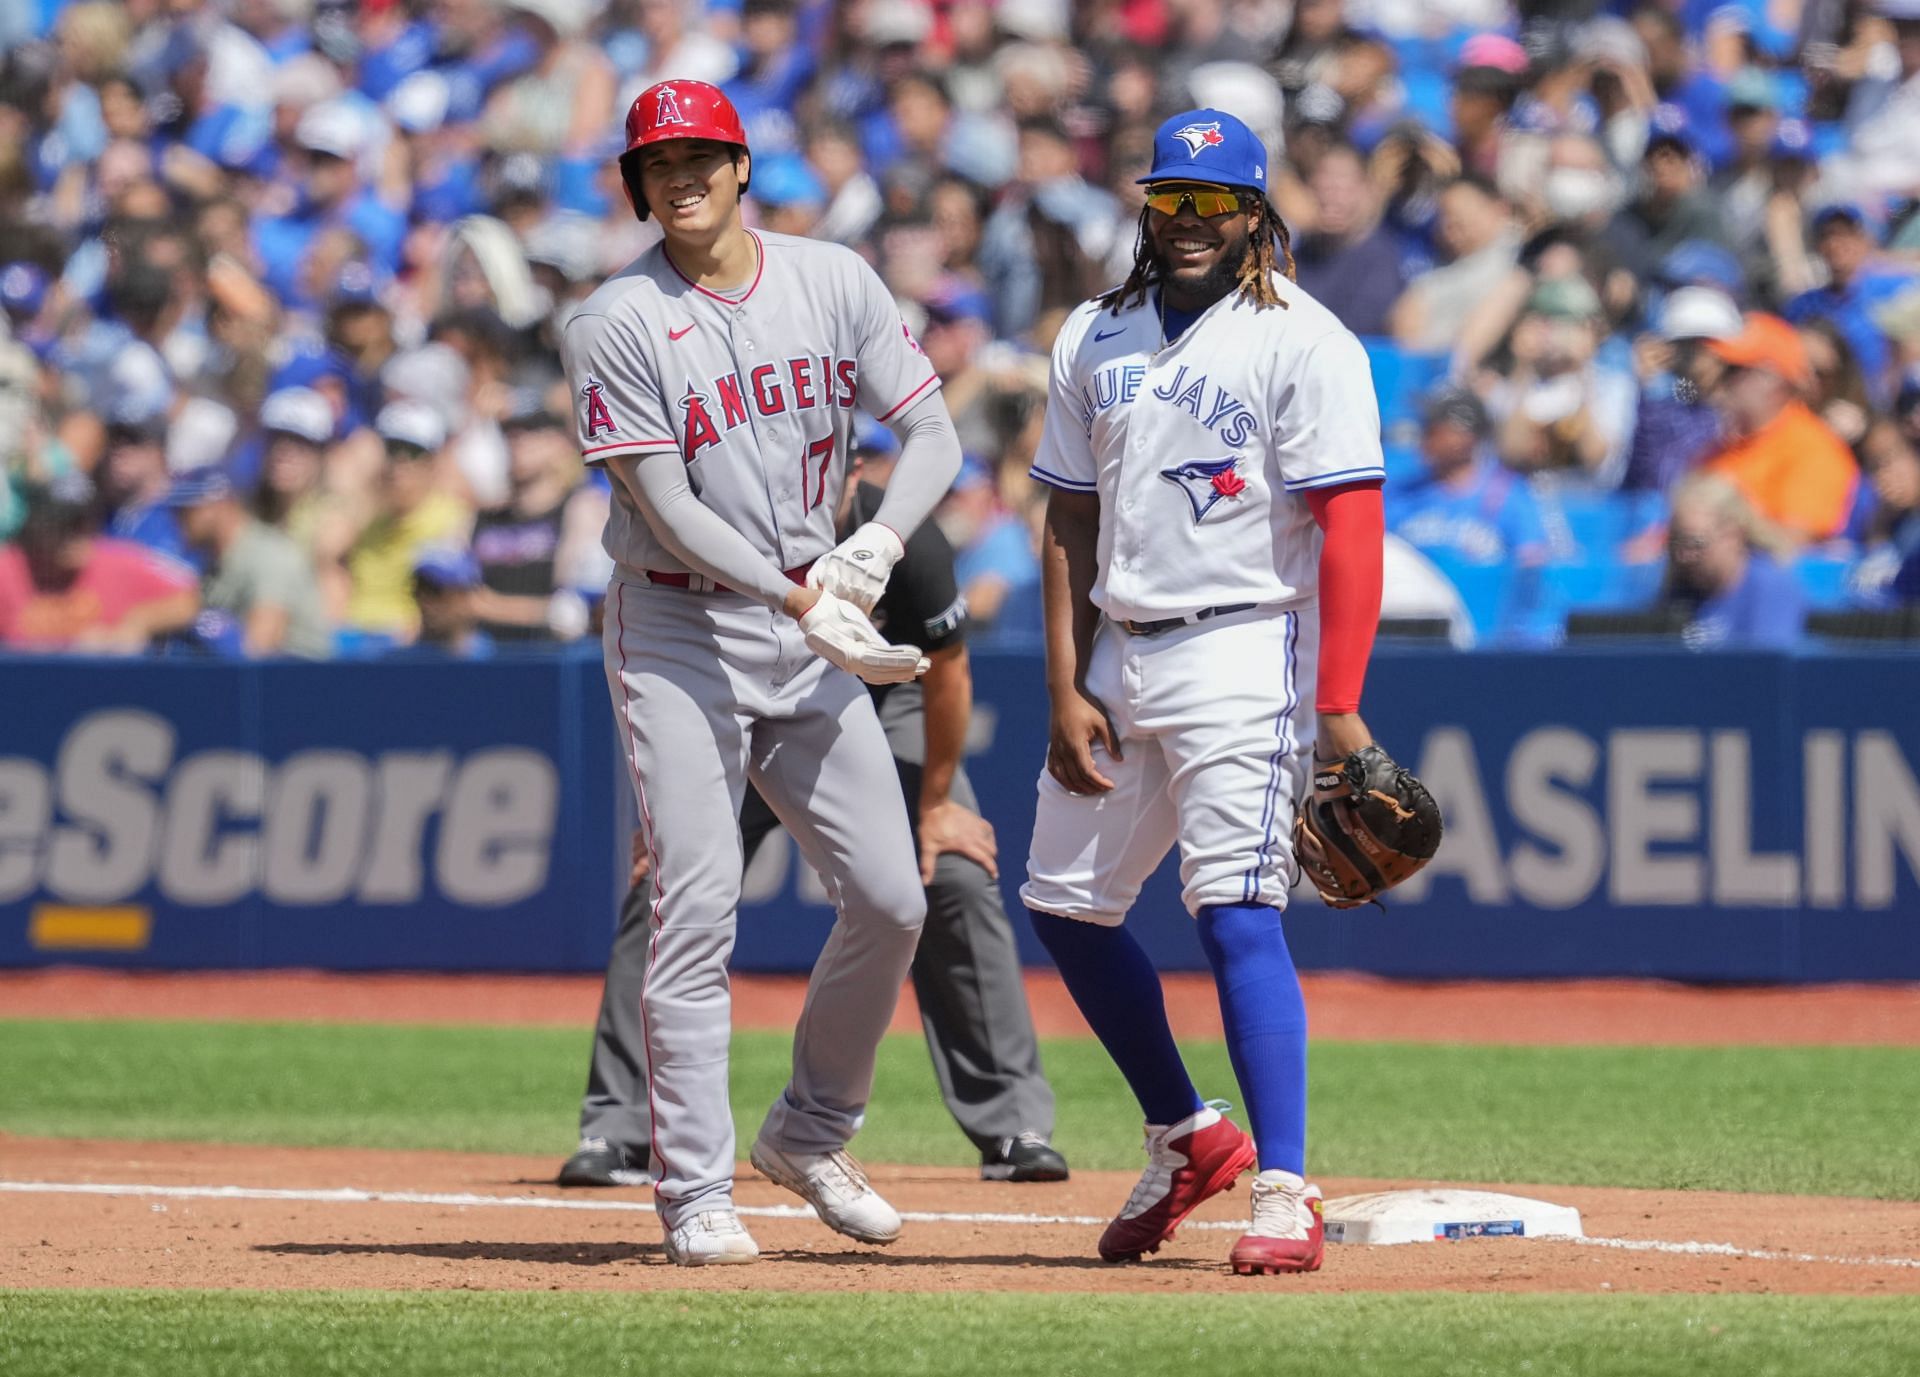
x: 596, y: 417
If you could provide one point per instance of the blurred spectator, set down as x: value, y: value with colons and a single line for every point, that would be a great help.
x: 1887, y: 519
x: 565, y: 102
x: 1837, y: 391
x: 1674, y: 205
x: 133, y: 486
x: 1485, y: 82
x: 995, y: 561
x: 64, y: 586
x: 788, y: 193
x: 1349, y: 262
x: 1480, y: 244
x: 517, y: 544
x: 1736, y: 596
x: 292, y: 495
x: 410, y: 517
x: 332, y: 218
x: 445, y: 585
x: 853, y: 197
x: 1047, y: 243
x: 260, y: 585
x: 1560, y: 407
x: 1465, y: 506
x: 1674, y: 427
x: 1882, y: 154
x: 1790, y: 467
x: 1854, y: 288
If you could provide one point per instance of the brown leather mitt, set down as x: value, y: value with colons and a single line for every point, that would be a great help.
x: 1367, y: 826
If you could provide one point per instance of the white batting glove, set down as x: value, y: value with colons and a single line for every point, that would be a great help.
x: 839, y: 633
x: 857, y: 569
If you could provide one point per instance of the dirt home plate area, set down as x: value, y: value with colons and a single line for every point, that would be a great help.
x: 120, y: 1214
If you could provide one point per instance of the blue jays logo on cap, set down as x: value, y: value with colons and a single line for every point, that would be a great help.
x: 1199, y: 136
x: 1208, y: 146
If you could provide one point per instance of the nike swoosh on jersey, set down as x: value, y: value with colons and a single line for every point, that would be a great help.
x: 676, y: 334
x: 1109, y: 334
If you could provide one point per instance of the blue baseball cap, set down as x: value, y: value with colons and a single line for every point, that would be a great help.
x: 1850, y: 211
x: 209, y: 484
x: 1703, y: 263
x: 872, y: 437
x: 1793, y: 140
x: 956, y: 299
x: 23, y: 288
x: 1208, y: 146
x: 786, y: 179
x: 1669, y: 127
x: 447, y: 567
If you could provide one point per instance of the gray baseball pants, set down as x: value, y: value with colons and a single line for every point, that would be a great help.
x: 711, y: 690
x: 966, y: 976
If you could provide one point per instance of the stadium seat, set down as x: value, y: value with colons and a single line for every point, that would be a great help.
x: 1823, y: 580
x: 1401, y: 377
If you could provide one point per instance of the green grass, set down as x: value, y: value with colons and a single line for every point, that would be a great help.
x: 227, y: 1334
x: 1833, y: 1121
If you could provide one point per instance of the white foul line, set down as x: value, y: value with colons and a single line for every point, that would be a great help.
x: 348, y: 1195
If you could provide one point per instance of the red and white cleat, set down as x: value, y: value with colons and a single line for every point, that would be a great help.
x: 1187, y: 1163
x: 1288, y: 1234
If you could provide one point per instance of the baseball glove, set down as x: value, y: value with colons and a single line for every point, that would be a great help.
x: 1368, y: 825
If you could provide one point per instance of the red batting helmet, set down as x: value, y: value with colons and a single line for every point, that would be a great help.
x: 683, y: 110
x: 679, y: 110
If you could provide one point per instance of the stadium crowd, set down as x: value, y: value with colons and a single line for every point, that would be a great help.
x: 282, y: 279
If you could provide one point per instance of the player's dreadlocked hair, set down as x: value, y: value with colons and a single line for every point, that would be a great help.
x: 1268, y: 238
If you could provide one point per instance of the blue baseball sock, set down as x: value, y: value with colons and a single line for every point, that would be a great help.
x: 1266, y: 1026
x: 1112, y: 980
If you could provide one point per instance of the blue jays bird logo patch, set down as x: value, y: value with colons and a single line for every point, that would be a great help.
x: 1199, y: 136
x: 1205, y: 482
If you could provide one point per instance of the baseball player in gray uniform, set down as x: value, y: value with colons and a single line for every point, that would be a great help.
x: 967, y: 975
x: 716, y: 378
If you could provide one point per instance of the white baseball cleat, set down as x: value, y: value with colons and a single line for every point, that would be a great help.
x: 711, y: 1238
x: 837, y: 1188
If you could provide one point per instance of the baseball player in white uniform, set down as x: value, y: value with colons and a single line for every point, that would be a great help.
x: 1212, y: 584
x: 716, y: 377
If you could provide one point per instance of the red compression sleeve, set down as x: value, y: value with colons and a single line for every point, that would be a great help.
x: 1353, y: 521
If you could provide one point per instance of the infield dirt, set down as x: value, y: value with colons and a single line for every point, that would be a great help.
x: 1809, y: 1245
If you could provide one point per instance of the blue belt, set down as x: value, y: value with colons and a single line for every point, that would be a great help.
x: 1166, y: 624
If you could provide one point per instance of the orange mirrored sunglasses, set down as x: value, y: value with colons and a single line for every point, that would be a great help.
x: 1207, y: 202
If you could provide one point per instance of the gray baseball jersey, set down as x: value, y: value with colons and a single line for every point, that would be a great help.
x: 755, y: 392
x: 711, y: 689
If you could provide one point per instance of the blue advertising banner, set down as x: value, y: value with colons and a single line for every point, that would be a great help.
x: 1656, y: 813
x: 408, y: 814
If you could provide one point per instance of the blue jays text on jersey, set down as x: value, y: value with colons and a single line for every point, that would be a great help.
x: 1207, y: 402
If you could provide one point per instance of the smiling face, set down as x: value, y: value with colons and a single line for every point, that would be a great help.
x: 1200, y: 256
x: 692, y: 186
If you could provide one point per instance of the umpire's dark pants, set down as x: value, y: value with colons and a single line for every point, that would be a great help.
x: 966, y: 977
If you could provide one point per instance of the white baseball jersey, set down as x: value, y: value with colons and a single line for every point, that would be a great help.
x: 755, y: 390
x: 1199, y: 448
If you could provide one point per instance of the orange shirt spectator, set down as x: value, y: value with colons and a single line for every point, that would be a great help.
x: 1796, y: 473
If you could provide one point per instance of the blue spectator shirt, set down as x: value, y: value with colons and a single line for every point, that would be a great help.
x: 1763, y: 611
x: 1358, y: 282
x: 154, y: 526
x: 1850, y: 310
x: 1005, y: 549
x: 282, y: 242
x: 1490, y: 518
x: 1669, y: 438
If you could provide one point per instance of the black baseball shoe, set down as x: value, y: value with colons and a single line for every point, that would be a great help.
x: 1023, y: 1157
x: 596, y: 1162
